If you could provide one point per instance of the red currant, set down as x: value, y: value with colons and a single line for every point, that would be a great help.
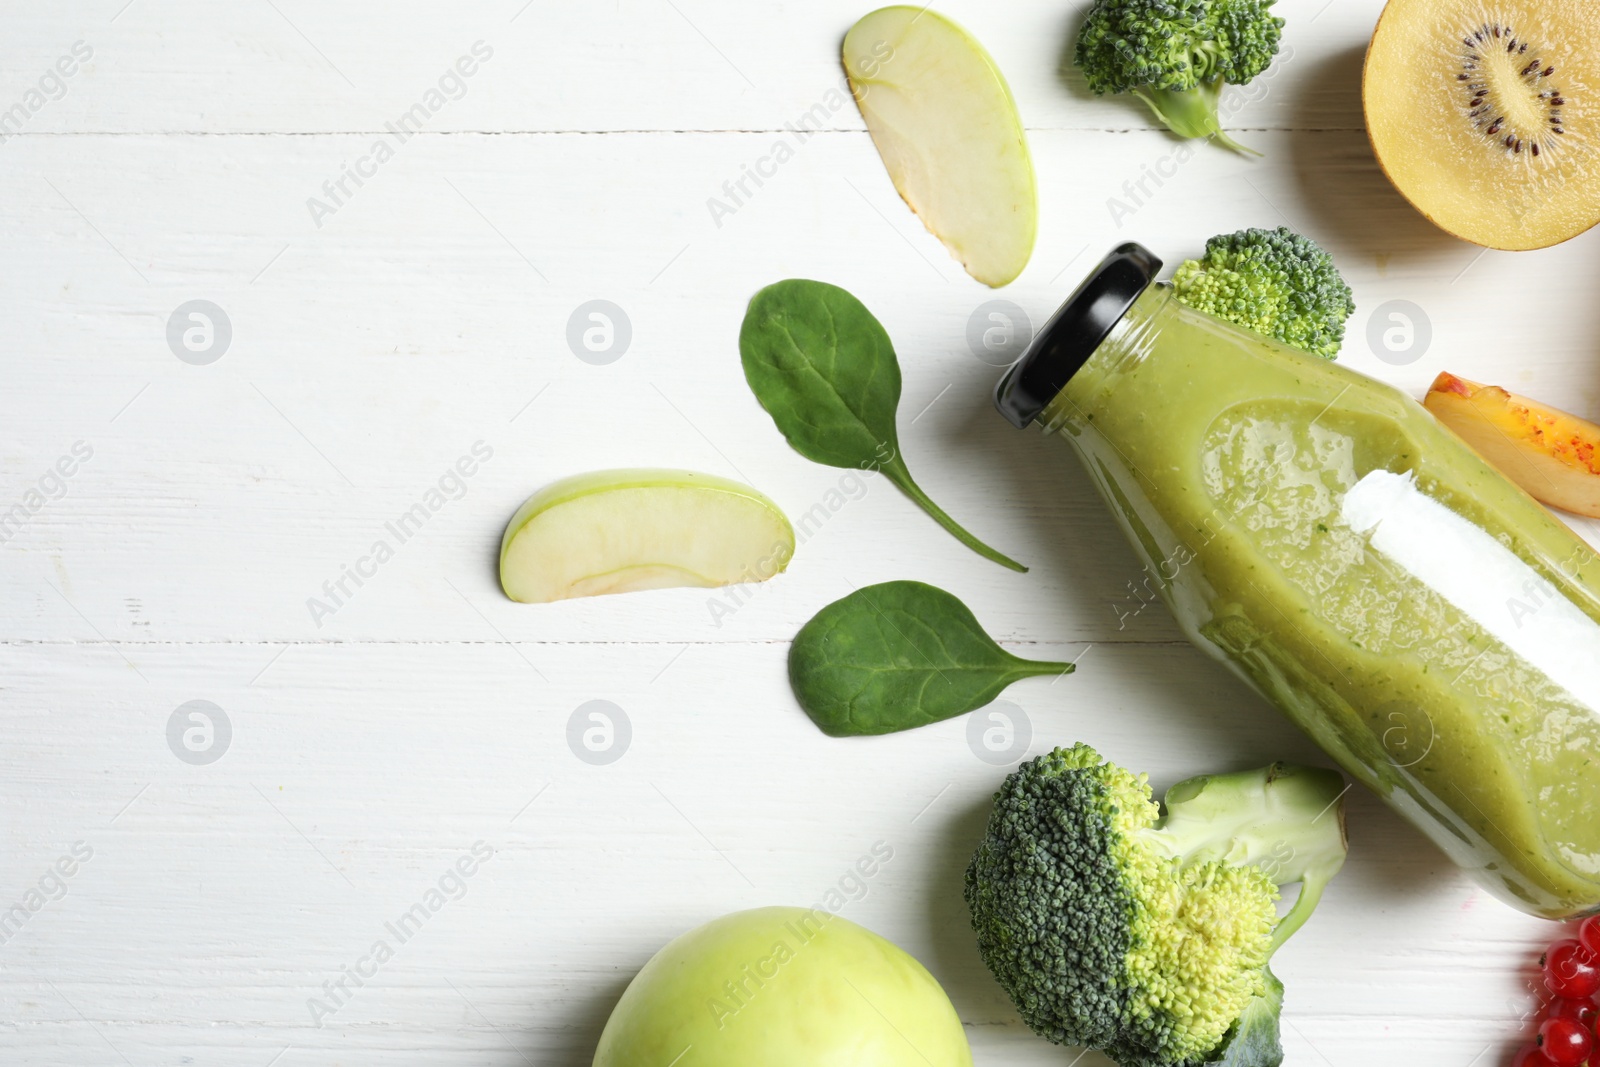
x: 1564, y: 1042
x: 1531, y: 1057
x: 1570, y: 970
x: 1582, y: 1012
x: 1589, y: 934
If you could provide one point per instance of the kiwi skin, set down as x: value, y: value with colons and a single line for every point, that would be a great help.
x: 1515, y: 240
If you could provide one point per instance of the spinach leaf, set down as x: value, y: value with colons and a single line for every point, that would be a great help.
x: 902, y: 654
x: 823, y: 367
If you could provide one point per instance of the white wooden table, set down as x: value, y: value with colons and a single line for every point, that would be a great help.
x: 377, y: 339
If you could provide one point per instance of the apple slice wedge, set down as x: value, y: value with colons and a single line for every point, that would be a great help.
x: 1554, y: 456
x: 620, y: 531
x: 947, y: 128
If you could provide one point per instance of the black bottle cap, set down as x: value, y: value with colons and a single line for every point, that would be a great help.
x: 1074, y: 332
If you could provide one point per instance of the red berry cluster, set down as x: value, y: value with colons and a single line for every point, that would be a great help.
x: 1572, y: 975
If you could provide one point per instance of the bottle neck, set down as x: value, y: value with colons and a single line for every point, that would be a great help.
x: 1127, y: 345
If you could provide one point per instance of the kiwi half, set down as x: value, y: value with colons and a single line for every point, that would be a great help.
x: 1484, y: 114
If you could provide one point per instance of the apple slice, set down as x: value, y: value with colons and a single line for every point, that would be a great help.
x: 1554, y: 456
x: 621, y: 531
x: 943, y: 119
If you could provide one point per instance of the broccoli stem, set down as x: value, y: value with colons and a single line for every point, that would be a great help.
x: 1192, y: 112
x: 1286, y: 819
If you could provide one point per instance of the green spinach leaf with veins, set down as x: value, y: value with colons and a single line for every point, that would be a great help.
x: 898, y: 655
x: 823, y: 367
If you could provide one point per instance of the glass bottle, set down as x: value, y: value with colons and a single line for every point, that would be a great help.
x: 1425, y: 621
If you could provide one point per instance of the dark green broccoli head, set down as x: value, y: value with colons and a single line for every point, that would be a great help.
x: 1115, y: 928
x: 1251, y: 34
x: 1274, y: 282
x: 1047, y: 872
x: 1176, y: 55
x: 1168, y: 44
x: 1125, y: 45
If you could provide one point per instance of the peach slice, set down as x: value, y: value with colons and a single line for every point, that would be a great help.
x: 1551, y: 454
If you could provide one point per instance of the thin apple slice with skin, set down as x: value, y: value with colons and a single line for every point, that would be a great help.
x: 621, y: 531
x: 947, y: 128
x: 1552, y: 455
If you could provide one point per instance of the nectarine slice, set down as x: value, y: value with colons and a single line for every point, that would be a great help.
x: 1551, y: 454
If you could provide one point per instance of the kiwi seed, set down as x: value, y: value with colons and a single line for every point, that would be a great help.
x: 1510, y: 104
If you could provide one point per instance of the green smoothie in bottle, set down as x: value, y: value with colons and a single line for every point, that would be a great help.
x: 1431, y: 626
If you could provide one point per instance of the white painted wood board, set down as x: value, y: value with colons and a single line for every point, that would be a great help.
x: 428, y: 313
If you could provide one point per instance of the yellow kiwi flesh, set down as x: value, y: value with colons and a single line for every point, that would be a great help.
x: 1486, y: 115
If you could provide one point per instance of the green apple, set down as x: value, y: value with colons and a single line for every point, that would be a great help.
x: 945, y: 123
x: 783, y: 987
x: 620, y: 531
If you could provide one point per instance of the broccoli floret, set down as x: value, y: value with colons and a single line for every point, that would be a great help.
x: 1274, y: 282
x: 1177, y: 55
x: 1147, y: 936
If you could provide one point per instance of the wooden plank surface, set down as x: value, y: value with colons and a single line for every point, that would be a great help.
x: 376, y: 344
